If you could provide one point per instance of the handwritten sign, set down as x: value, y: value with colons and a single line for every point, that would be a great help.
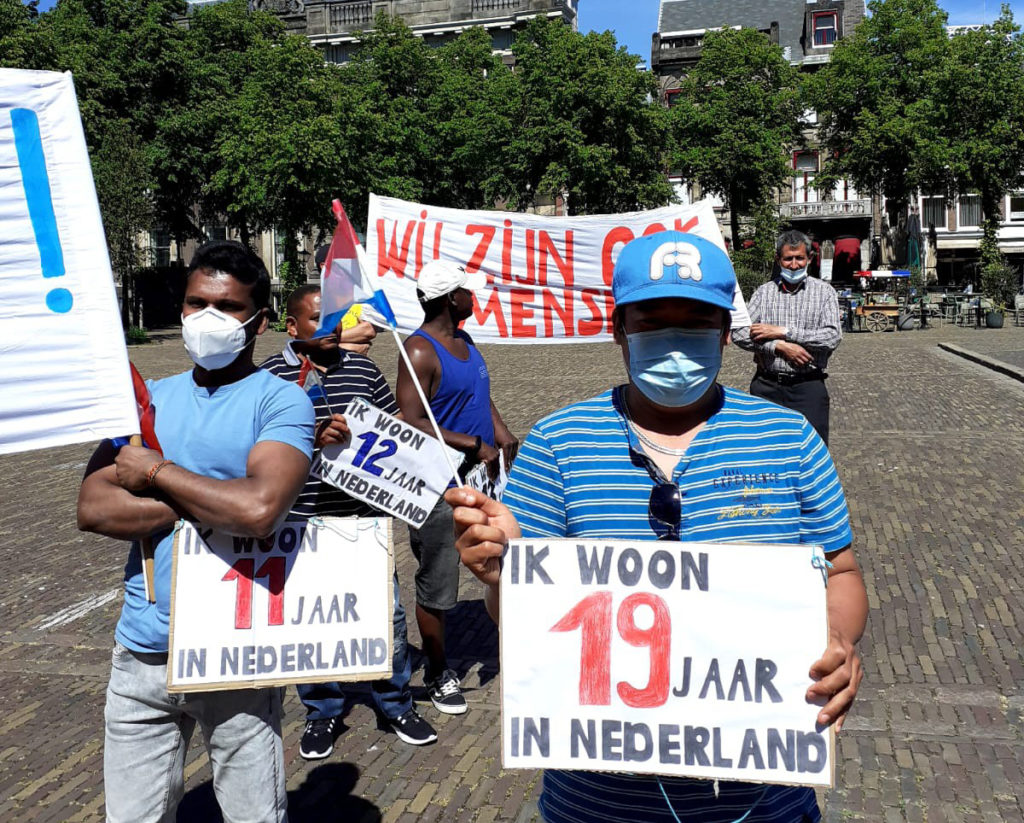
x: 63, y: 364
x: 313, y: 603
x: 387, y: 463
x: 549, y: 278
x: 687, y: 659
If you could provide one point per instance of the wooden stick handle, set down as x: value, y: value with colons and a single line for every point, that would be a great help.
x: 146, y: 543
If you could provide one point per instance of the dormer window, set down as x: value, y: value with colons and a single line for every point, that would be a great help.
x: 826, y: 26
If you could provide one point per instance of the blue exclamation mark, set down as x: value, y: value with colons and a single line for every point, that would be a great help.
x: 29, y: 145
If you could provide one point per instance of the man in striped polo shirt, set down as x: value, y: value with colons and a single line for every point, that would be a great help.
x: 795, y: 328
x: 674, y: 455
x: 344, y: 376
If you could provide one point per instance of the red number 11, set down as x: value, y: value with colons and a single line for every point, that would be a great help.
x: 593, y: 616
x: 273, y: 569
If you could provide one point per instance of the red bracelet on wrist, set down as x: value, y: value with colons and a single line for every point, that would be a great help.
x: 151, y: 477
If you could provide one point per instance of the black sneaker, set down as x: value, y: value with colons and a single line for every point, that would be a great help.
x: 318, y: 738
x: 413, y: 729
x: 445, y: 693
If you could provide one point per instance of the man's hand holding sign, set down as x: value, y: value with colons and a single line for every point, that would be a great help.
x: 679, y: 658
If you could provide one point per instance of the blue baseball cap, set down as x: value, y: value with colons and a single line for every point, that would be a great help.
x: 673, y: 264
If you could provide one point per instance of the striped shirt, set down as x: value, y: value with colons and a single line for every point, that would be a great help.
x: 811, y: 315
x: 354, y: 376
x: 756, y: 472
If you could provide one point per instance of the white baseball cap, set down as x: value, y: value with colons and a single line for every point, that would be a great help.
x: 440, y: 277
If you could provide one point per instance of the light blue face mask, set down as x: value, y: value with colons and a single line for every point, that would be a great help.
x: 675, y: 367
x: 794, y: 278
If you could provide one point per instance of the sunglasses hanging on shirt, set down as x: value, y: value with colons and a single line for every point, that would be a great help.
x: 665, y: 510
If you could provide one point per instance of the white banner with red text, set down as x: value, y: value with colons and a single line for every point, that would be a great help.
x: 684, y: 659
x: 310, y: 604
x: 549, y: 278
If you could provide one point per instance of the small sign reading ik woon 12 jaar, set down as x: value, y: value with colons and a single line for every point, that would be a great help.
x: 396, y: 468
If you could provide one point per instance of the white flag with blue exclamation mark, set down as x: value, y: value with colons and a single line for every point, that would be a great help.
x: 63, y: 365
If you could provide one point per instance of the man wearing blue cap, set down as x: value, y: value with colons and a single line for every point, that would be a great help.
x: 645, y: 460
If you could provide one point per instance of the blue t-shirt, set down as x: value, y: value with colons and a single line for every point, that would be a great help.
x: 209, y: 431
x: 755, y: 472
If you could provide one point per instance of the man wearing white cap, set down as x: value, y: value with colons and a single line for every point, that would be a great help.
x: 456, y: 382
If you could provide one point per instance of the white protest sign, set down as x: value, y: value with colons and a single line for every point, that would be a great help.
x: 686, y: 659
x: 312, y: 604
x: 63, y: 365
x: 549, y: 278
x: 387, y: 463
x: 479, y: 479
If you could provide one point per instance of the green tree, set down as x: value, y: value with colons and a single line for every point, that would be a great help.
x: 468, y: 118
x: 875, y: 101
x: 737, y: 116
x: 584, y: 123
x: 978, y: 109
x: 388, y: 79
x: 123, y: 55
x: 22, y: 45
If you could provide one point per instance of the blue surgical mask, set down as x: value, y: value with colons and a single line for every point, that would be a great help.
x: 675, y: 367
x: 794, y: 278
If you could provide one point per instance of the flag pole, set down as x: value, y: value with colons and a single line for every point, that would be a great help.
x: 426, y: 405
x: 389, y: 318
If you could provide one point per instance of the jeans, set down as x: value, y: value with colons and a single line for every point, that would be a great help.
x: 392, y: 697
x: 147, y: 732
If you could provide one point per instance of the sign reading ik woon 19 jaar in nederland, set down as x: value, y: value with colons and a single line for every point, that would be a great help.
x: 312, y: 603
x: 687, y: 659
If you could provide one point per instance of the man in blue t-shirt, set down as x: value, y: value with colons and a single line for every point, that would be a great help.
x: 457, y: 385
x: 657, y: 458
x: 236, y: 444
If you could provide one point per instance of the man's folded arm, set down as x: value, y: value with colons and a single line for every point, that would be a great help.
x: 250, y: 506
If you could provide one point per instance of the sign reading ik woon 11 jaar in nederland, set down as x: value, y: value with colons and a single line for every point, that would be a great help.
x: 312, y: 603
x: 686, y: 659
x: 387, y: 463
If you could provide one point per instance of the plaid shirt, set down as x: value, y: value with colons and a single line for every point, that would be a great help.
x: 811, y: 315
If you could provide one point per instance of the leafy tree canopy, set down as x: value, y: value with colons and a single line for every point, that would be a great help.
x: 736, y: 118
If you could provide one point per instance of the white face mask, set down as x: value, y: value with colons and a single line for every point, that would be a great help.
x: 212, y: 338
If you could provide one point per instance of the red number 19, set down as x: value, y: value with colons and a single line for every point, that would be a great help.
x: 593, y: 616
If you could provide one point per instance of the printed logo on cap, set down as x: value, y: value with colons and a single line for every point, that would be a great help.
x: 682, y: 256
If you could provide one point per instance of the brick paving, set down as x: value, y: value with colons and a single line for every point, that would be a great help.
x: 930, y: 448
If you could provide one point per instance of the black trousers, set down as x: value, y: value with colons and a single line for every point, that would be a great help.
x: 810, y: 398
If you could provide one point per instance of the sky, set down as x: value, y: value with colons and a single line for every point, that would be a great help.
x: 634, y: 21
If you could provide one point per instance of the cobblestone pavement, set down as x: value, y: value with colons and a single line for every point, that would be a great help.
x: 930, y: 448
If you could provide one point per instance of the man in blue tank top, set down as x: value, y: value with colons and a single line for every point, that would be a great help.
x: 457, y: 385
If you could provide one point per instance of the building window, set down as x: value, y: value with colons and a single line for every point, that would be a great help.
x: 672, y: 97
x: 844, y: 191
x: 969, y: 211
x: 215, y: 232
x: 161, y: 246
x: 933, y: 212
x: 826, y: 26
x: 805, y: 164
x: 1015, y: 213
x: 681, y: 189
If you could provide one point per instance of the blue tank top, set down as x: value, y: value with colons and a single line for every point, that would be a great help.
x: 462, y: 402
